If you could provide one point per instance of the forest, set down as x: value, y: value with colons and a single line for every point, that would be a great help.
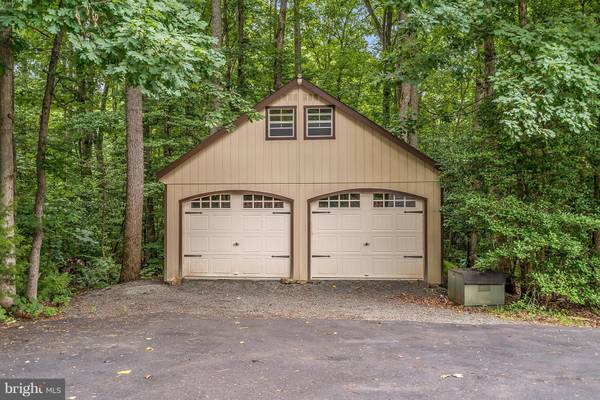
x: 96, y: 96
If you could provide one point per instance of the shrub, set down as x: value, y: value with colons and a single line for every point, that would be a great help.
x: 98, y: 273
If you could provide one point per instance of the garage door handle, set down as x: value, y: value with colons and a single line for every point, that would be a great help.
x: 413, y: 256
x: 316, y: 256
x: 236, y: 244
x: 367, y: 244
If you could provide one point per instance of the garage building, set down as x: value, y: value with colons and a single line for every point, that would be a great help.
x: 314, y: 190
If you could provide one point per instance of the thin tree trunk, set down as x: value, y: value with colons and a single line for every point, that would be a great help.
x: 596, y: 234
x: 38, y: 232
x: 132, y: 231
x: 413, y: 139
x: 241, y: 42
x: 7, y: 166
x: 86, y: 141
x: 297, y: 39
x: 149, y: 228
x: 279, y: 37
x: 102, y: 183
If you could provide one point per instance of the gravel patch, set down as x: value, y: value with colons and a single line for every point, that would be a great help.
x: 232, y: 299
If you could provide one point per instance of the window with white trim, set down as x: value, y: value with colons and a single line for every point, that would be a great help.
x: 260, y: 201
x: 344, y: 200
x: 212, y: 201
x: 319, y: 122
x: 280, y: 123
x: 393, y: 200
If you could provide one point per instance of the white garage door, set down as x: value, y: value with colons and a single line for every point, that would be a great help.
x: 236, y: 235
x: 367, y: 235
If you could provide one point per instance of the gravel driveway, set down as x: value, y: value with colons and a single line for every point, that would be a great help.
x: 357, y: 300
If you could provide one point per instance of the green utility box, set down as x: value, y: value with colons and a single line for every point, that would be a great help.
x: 475, y: 288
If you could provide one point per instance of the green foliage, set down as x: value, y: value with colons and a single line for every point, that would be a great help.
x: 98, y: 273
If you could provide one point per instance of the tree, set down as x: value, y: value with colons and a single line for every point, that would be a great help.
x: 297, y: 39
x: 38, y: 233
x: 164, y: 57
x: 241, y: 44
x: 132, y: 231
x: 279, y: 37
x: 7, y: 167
x: 383, y: 28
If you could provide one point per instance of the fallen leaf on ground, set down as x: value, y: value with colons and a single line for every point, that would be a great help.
x: 149, y: 348
x: 124, y: 372
x: 148, y: 377
x: 452, y: 375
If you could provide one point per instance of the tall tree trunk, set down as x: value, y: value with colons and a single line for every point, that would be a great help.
x: 407, y: 97
x: 522, y: 13
x: 279, y: 37
x: 101, y: 167
x: 297, y: 39
x: 217, y: 33
x: 7, y: 166
x: 386, y: 44
x: 241, y: 42
x: 38, y: 232
x: 132, y: 231
x: 229, y: 55
x: 383, y: 29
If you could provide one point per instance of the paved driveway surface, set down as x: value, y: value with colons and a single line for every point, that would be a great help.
x: 196, y: 358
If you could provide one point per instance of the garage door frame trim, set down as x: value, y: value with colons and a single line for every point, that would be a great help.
x: 362, y: 190
x: 236, y: 191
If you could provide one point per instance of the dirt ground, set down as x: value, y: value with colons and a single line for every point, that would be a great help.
x: 364, y: 300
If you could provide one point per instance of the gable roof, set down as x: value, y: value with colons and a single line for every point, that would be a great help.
x: 291, y: 85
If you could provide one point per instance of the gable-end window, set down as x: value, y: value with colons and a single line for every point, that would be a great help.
x: 281, y: 123
x: 319, y: 122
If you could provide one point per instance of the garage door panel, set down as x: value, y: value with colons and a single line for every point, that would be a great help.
x: 220, y: 223
x: 197, y: 222
x: 351, y: 266
x: 220, y: 244
x: 351, y: 222
x: 277, y: 266
x: 408, y: 222
x: 382, y: 243
x: 197, y: 265
x: 231, y: 240
x: 409, y: 244
x: 276, y: 223
x: 382, y: 222
x: 221, y: 264
x: 197, y: 244
x: 350, y: 244
x: 370, y: 241
x: 324, y: 266
x: 252, y: 223
x: 383, y: 266
x: 276, y: 245
x: 325, y: 222
x: 325, y: 244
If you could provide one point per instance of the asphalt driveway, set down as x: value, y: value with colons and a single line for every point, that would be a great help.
x: 181, y: 356
x: 266, y: 340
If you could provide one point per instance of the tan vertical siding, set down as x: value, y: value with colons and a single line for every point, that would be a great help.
x: 302, y: 169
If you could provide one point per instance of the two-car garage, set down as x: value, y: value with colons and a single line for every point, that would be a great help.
x: 353, y: 235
